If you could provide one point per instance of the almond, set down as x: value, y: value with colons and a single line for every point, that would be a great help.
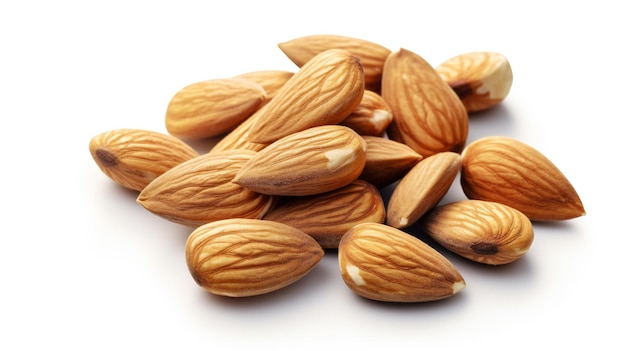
x: 511, y: 172
x: 422, y: 188
x: 212, y: 107
x: 324, y: 91
x: 428, y: 116
x: 383, y: 263
x: 270, y: 80
x: 201, y: 190
x: 134, y: 157
x: 482, y: 231
x: 239, y: 138
x: 326, y: 217
x: 387, y: 161
x: 371, y: 117
x: 308, y: 162
x: 248, y: 257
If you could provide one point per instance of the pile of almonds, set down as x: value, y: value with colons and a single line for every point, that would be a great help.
x: 301, y: 158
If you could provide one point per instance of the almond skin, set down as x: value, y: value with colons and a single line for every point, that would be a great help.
x: 201, y: 190
x: 326, y: 217
x: 383, y: 263
x: 238, y: 138
x: 135, y: 157
x: 371, y: 117
x: 248, y: 257
x: 270, y: 80
x: 387, y: 161
x: 508, y: 171
x: 482, y: 231
x: 324, y: 91
x: 428, y: 116
x: 308, y: 162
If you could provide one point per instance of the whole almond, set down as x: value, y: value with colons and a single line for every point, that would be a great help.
x: 134, y: 157
x: 324, y: 91
x: 248, y: 257
x: 270, y: 80
x: 482, y: 231
x: 387, y: 161
x: 371, y: 117
x: 511, y: 172
x: 326, y: 217
x: 212, y: 107
x: 308, y: 162
x: 428, y: 116
x: 383, y: 263
x: 239, y: 138
x: 201, y: 190
x: 422, y: 188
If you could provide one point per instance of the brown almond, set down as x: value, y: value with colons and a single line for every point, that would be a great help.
x: 270, y: 80
x: 371, y: 117
x: 387, y: 161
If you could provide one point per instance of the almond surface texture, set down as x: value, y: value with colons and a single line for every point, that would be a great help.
x: 387, y: 161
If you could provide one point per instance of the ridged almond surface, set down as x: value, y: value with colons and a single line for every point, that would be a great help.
x: 387, y: 160
x: 511, y: 172
x: 324, y: 91
x: 480, y: 79
x: 201, y: 190
x: 326, y: 217
x: 270, y: 80
x: 428, y: 116
x: 422, y: 188
x: 238, y: 138
x: 383, y: 263
x: 371, y: 117
x: 248, y: 257
x: 300, y: 50
x: 308, y: 162
x: 482, y: 231
x: 212, y: 107
x: 135, y: 157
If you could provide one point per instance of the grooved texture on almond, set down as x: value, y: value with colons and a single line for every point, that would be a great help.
x: 270, y: 80
x: 511, y: 172
x: 326, y: 217
x: 247, y: 257
x: 428, y: 116
x: 383, y: 263
x: 309, y: 162
x: 482, y: 231
x: 201, y: 190
x: 238, y: 138
x: 371, y: 117
x: 134, y: 157
x: 387, y: 160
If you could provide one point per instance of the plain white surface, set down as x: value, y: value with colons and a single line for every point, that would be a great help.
x: 84, y: 267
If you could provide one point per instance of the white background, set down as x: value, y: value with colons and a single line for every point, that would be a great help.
x: 84, y: 267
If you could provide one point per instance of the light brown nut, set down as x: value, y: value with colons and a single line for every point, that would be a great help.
x: 248, y: 257
x: 422, y: 188
x: 238, y: 138
x: 212, y: 107
x: 326, y: 217
x: 428, y: 116
x: 387, y: 161
x: 482, y: 231
x: 480, y: 79
x: 309, y: 162
x: 134, y: 157
x: 270, y: 80
x: 324, y: 91
x: 383, y: 263
x: 511, y: 172
x: 302, y: 49
x: 201, y: 190
x: 371, y: 117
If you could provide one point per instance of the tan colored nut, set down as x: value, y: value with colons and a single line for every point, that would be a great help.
x: 309, y: 162
x: 480, y: 79
x: 301, y: 50
x: 212, y: 107
x: 387, y: 161
x: 482, y: 231
x: 371, y: 117
x: 239, y: 138
x: 383, y: 263
x: 270, y: 80
x: 248, y: 257
x: 428, y: 116
x: 201, y: 190
x: 422, y: 188
x: 324, y: 91
x: 134, y: 157
x: 326, y: 217
x: 508, y: 171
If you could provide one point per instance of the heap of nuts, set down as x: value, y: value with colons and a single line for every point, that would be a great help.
x: 301, y: 158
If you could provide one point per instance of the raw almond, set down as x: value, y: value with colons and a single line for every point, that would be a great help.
x: 238, y: 138
x: 511, y: 172
x: 134, y: 157
x: 387, y: 161
x: 248, y: 257
x: 371, y: 117
x: 270, y: 80
x: 428, y: 116
x: 383, y: 263
x: 482, y: 231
